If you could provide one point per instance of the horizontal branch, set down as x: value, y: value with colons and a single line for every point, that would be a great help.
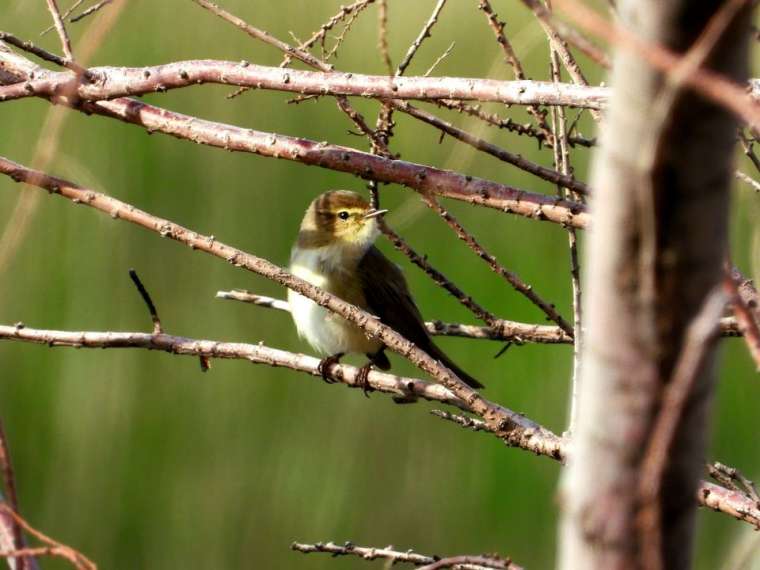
x: 512, y: 331
x: 394, y: 556
x: 534, y: 437
x: 445, y: 183
x: 113, y: 82
x: 418, y: 177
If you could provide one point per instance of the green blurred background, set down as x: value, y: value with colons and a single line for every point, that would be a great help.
x: 140, y: 460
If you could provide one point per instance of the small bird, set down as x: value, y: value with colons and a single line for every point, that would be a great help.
x: 335, y: 251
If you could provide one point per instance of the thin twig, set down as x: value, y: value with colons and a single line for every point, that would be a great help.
x: 735, y: 479
x: 512, y: 278
x: 373, y: 553
x: 562, y: 164
x: 321, y: 34
x: 507, y: 124
x: 91, y: 10
x: 510, y: 57
x: 65, y: 15
x: 754, y: 184
x: 554, y: 176
x: 342, y: 36
x: 441, y: 57
x: 382, y: 34
x: 61, y: 29
x: 567, y: 34
x: 559, y: 45
x: 463, y: 560
x: 157, y: 328
x: 424, y: 34
x: 41, y: 53
x: 293, y: 52
x: 75, y: 557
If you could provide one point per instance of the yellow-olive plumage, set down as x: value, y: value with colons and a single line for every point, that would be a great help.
x: 335, y: 251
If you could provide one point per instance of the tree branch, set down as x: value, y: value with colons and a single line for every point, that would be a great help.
x: 502, y: 330
x: 388, y: 554
x: 113, y: 82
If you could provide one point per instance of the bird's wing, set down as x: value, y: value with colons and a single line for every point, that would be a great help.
x: 388, y: 297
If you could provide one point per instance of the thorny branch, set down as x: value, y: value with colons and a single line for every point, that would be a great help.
x: 394, y: 556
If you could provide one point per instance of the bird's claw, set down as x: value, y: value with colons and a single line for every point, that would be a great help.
x: 362, y: 379
x: 326, y: 364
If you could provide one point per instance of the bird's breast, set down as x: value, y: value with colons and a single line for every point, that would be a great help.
x: 323, y: 329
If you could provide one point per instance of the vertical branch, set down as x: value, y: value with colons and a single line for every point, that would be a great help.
x: 510, y: 57
x: 562, y: 164
x: 382, y: 34
x: 660, y: 168
x: 61, y: 29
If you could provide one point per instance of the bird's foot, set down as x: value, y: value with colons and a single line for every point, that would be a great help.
x: 362, y: 379
x: 326, y: 364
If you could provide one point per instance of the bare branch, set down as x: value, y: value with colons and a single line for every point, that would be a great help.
x: 157, y: 328
x: 91, y: 10
x: 39, y: 52
x: 440, y: 58
x: 65, y: 15
x: 424, y: 34
x: 751, y: 182
x: 511, y: 59
x: 489, y: 148
x: 61, y: 29
x: 373, y: 553
x: 52, y: 547
x: 512, y: 278
x: 501, y: 330
x: 463, y: 561
x: 382, y: 34
x: 125, y: 81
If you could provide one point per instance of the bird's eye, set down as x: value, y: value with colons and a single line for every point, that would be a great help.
x: 343, y: 215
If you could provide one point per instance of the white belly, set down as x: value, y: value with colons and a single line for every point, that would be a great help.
x: 325, y: 331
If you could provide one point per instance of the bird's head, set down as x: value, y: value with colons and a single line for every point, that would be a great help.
x: 341, y: 218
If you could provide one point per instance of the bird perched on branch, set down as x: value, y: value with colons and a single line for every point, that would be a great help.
x: 335, y: 251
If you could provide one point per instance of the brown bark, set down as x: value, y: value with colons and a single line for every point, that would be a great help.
x: 661, y: 182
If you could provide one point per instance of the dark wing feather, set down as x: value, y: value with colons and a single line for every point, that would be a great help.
x: 388, y: 297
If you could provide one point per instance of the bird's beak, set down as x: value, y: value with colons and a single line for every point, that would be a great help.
x: 374, y: 213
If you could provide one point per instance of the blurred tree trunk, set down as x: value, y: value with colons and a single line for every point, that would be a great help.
x: 659, y: 236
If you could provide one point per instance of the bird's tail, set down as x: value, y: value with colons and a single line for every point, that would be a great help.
x: 438, y: 354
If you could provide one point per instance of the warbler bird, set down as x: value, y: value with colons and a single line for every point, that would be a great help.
x: 335, y: 251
